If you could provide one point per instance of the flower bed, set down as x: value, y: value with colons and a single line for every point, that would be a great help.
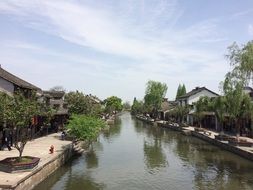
x: 13, y: 164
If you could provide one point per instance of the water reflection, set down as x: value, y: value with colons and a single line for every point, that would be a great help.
x: 113, y: 131
x: 135, y: 155
x: 91, y: 159
x: 154, y: 155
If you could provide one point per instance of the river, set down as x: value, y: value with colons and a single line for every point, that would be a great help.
x: 133, y: 155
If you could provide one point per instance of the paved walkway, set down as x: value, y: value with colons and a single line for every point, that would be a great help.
x: 38, y: 148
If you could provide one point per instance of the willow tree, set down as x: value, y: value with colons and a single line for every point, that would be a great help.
x: 154, y: 94
x: 219, y: 106
x: 238, y: 103
x: 241, y: 58
x: 201, y: 106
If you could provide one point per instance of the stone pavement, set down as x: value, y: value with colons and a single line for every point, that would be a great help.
x: 38, y: 148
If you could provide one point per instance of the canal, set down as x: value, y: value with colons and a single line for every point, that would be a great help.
x: 133, y: 155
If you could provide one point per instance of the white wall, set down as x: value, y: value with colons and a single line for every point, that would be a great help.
x: 6, y: 86
x: 195, y: 97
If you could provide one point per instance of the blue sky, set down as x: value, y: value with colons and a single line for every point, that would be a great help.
x: 114, y: 47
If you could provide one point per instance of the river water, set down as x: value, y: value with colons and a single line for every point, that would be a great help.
x: 133, y: 155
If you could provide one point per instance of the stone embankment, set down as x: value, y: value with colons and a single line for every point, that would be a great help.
x: 208, y: 136
x: 63, y: 151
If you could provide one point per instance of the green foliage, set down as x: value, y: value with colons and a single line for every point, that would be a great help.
x: 78, y: 103
x: 137, y: 107
x: 17, y: 112
x: 202, y: 105
x: 155, y: 92
x: 113, y: 103
x: 241, y: 58
x: 85, y: 127
x: 238, y: 103
x: 127, y: 106
x: 181, y: 90
x: 179, y: 113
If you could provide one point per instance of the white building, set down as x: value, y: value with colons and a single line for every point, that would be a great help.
x: 193, y: 96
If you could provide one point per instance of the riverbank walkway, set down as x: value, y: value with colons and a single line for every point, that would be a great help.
x: 37, y: 148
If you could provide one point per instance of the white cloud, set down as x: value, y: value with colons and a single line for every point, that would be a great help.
x: 142, y: 32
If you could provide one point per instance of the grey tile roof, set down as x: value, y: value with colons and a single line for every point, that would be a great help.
x: 195, y: 91
x: 16, y: 80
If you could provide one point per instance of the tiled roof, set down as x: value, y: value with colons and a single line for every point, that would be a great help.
x: 16, y: 80
x: 54, y: 94
x: 195, y: 91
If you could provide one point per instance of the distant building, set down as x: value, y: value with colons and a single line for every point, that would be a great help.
x: 166, y: 107
x: 55, y: 99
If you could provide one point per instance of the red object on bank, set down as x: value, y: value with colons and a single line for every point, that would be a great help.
x: 51, y: 149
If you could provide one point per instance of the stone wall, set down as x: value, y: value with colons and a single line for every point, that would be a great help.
x: 42, y: 172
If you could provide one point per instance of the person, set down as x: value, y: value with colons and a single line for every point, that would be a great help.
x: 6, y: 139
x: 63, y: 135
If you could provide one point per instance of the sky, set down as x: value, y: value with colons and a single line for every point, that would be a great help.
x: 113, y: 47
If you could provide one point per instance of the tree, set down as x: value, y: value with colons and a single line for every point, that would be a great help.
x: 202, y: 105
x: 58, y: 88
x: 181, y: 90
x: 238, y: 103
x: 17, y: 113
x: 78, y: 103
x: 179, y: 113
x: 113, y: 104
x: 137, y: 107
x: 85, y: 128
x: 241, y: 58
x: 127, y: 105
x: 154, y: 94
x: 219, y: 106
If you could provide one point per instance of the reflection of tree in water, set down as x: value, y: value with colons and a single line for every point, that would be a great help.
x: 154, y: 155
x: 91, y: 159
x: 77, y: 182
x: 213, y: 167
x: 114, y: 130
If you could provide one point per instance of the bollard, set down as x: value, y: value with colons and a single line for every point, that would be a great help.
x: 51, y: 149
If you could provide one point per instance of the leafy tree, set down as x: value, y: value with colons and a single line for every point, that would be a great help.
x: 85, y: 127
x: 180, y: 112
x: 181, y: 90
x: 155, y: 92
x: 17, y: 113
x: 127, y: 105
x: 202, y: 105
x: 112, y: 104
x: 219, y: 106
x: 137, y: 107
x: 241, y: 58
x: 58, y: 88
x: 78, y: 103
x: 238, y: 103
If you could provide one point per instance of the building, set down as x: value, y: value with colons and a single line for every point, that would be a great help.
x: 55, y: 99
x: 166, y: 107
x: 10, y: 83
x: 193, y: 96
